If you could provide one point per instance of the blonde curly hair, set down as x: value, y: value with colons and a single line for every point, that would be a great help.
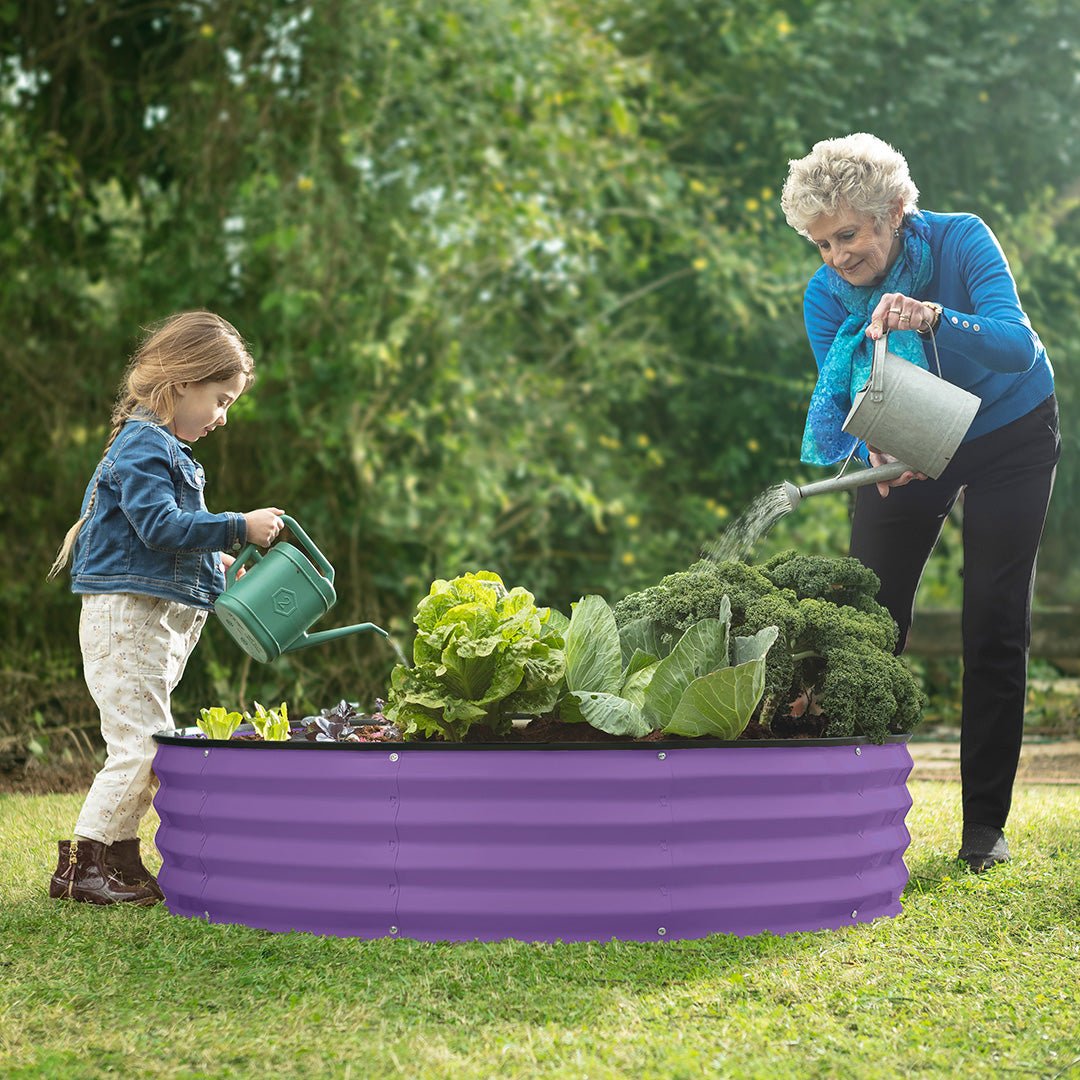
x: 858, y: 171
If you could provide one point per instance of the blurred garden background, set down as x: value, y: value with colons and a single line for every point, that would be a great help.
x: 513, y: 271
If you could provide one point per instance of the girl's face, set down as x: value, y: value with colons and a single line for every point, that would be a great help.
x: 859, y: 249
x: 203, y: 406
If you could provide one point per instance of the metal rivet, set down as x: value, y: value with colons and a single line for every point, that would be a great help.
x: 854, y: 914
x: 393, y: 929
x: 858, y: 751
x: 206, y: 915
x: 661, y: 755
x: 393, y: 757
x: 661, y: 931
x: 975, y: 327
x: 966, y: 324
x: 955, y: 320
x: 206, y: 753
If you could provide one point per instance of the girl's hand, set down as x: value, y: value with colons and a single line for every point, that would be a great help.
x: 895, y: 311
x: 227, y: 560
x: 263, y: 525
x: 878, y: 458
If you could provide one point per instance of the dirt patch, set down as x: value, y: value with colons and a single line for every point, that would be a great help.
x: 1055, y: 762
x: 61, y: 778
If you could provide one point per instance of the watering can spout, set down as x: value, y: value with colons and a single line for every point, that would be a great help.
x: 882, y: 474
x: 305, y: 641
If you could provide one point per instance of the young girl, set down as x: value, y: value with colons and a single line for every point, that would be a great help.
x: 148, y: 559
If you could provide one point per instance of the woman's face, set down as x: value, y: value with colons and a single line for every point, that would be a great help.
x: 859, y: 249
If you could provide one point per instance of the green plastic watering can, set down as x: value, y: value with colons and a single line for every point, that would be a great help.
x: 267, y: 612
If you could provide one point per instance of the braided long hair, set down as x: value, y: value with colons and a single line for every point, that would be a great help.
x: 192, y: 346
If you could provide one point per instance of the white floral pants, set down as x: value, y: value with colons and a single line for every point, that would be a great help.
x: 134, y: 649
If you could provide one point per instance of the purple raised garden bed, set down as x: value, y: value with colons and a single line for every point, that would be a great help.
x: 644, y: 842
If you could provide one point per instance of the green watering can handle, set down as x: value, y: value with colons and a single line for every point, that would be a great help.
x: 317, y: 557
x: 238, y: 563
x: 251, y: 550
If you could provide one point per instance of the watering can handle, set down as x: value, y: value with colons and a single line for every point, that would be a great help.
x: 317, y: 557
x: 877, y: 369
x: 238, y: 563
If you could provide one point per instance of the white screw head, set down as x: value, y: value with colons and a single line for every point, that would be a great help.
x: 393, y: 757
x: 661, y: 756
x: 855, y: 914
x: 661, y: 931
x: 206, y: 753
x: 393, y: 930
x: 858, y: 751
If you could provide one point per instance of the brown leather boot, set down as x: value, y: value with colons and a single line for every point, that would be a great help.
x: 123, y: 857
x: 81, y: 874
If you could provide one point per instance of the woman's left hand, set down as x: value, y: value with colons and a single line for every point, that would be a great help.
x: 879, y: 457
x: 895, y: 311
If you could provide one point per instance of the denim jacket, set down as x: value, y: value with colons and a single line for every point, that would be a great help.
x: 149, y: 531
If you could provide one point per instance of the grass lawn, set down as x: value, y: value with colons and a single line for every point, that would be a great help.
x: 978, y: 977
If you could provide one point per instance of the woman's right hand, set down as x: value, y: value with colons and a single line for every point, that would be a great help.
x: 879, y: 458
x: 263, y: 525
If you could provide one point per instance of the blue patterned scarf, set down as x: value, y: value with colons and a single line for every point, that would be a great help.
x: 847, y: 365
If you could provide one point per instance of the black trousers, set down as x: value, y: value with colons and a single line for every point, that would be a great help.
x: 1006, y: 476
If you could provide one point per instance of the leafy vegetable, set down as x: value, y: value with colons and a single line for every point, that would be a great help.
x: 346, y: 723
x: 481, y: 655
x: 690, y: 691
x: 270, y: 724
x: 218, y: 722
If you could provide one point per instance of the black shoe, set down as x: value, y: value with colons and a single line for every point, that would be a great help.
x: 983, y: 846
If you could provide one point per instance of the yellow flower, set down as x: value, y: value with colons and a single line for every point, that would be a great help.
x: 697, y: 187
x: 753, y: 445
x: 721, y: 511
x: 206, y: 30
x: 608, y: 442
x: 305, y: 183
x: 699, y: 264
x: 984, y: 97
x: 632, y: 521
x: 642, y: 441
x: 628, y: 558
x: 752, y: 205
x: 649, y: 373
x: 783, y: 27
x: 767, y: 194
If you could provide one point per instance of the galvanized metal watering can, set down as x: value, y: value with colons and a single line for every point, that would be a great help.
x: 267, y: 612
x: 906, y: 412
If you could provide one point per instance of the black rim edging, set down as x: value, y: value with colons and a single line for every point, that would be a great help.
x: 178, y: 738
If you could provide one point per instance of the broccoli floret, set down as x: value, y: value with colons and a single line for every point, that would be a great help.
x: 860, y: 685
x: 688, y: 596
x: 826, y: 626
x: 821, y: 577
x: 867, y: 691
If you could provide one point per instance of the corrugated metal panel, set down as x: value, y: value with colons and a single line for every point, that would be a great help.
x: 540, y: 845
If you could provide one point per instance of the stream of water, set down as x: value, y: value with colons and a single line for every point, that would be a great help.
x: 739, y: 538
x: 399, y: 652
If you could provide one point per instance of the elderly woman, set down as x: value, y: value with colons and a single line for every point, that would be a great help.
x: 927, y: 278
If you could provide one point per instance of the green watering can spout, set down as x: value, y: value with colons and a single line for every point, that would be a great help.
x: 320, y: 637
x: 268, y: 611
